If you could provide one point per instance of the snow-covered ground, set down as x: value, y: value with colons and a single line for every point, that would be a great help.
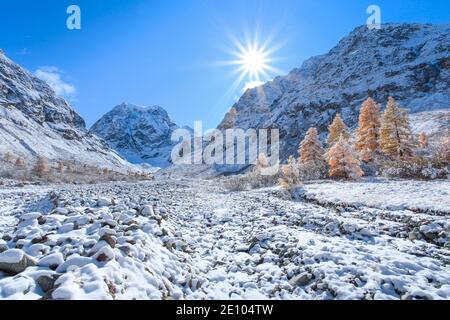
x: 191, y: 239
x: 385, y: 194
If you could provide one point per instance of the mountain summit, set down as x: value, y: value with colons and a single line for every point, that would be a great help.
x: 139, y: 134
x: 410, y: 62
x: 34, y: 122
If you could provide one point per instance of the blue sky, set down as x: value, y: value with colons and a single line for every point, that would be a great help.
x: 165, y: 53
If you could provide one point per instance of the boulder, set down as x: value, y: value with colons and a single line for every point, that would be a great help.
x: 15, y: 261
x: 3, y: 246
x: 47, y: 282
x: 52, y: 261
x: 109, y: 240
x: 104, y: 202
x: 147, y: 211
x: 300, y: 280
x: 105, y: 254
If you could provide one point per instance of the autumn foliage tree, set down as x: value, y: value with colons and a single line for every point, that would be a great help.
x: 41, y: 166
x: 19, y: 162
x: 395, y: 134
x: 336, y: 129
x: 367, y: 134
x: 312, y: 155
x: 423, y: 140
x: 342, y: 161
x: 311, y: 148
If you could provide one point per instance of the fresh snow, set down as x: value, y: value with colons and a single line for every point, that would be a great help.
x: 139, y: 134
x: 385, y: 194
x: 192, y: 239
x: 11, y: 256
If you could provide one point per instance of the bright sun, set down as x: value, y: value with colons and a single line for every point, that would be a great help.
x: 254, y: 62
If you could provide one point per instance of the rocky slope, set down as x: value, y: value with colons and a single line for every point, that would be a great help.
x: 34, y: 121
x: 189, y: 239
x: 139, y: 134
x: 410, y: 62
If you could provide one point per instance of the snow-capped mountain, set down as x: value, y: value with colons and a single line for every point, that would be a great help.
x: 139, y: 134
x: 34, y: 121
x: 410, y: 62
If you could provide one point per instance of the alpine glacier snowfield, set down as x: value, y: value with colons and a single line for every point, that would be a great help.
x: 192, y: 239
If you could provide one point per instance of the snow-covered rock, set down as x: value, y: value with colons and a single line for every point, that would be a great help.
x: 410, y: 62
x: 15, y: 261
x: 52, y: 260
x: 104, y: 202
x: 35, y: 121
x: 214, y: 244
x: 139, y: 134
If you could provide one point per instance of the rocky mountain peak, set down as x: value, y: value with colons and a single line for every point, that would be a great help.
x: 138, y: 133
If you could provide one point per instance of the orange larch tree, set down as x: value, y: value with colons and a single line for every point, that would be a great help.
x: 367, y: 134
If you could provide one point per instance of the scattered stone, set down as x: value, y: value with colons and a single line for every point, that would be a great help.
x: 125, y: 249
x: 147, y: 211
x: 74, y: 261
x: 37, y: 240
x: 66, y: 228
x: 52, y: 261
x: 104, y: 202
x: 15, y: 261
x: 132, y: 227
x: 300, y: 280
x: 62, y: 211
x: 109, y: 222
x: 105, y: 254
x: 3, y: 246
x: 430, y: 231
x: 47, y: 282
x: 6, y: 237
x: 109, y: 240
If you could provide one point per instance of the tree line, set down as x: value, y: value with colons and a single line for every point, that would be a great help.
x: 383, y: 142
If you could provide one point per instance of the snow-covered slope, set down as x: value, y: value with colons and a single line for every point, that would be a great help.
x: 34, y: 121
x: 139, y: 134
x: 434, y: 123
x: 410, y: 62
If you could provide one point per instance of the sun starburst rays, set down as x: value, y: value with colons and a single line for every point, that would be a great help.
x: 252, y: 61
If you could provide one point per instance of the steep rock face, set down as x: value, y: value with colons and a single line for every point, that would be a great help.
x: 34, y: 121
x: 139, y: 134
x: 410, y: 62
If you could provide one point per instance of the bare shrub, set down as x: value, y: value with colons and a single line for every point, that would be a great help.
x: 60, y: 167
x: 290, y: 175
x: 19, y: 163
x: 41, y: 167
x: 7, y: 157
x: 312, y: 170
x: 236, y: 183
x: 415, y: 168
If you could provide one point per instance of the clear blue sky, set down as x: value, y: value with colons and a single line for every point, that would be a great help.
x: 165, y: 53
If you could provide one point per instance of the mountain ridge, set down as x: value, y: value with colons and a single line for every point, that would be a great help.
x: 34, y: 122
x: 141, y: 134
x: 407, y: 61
